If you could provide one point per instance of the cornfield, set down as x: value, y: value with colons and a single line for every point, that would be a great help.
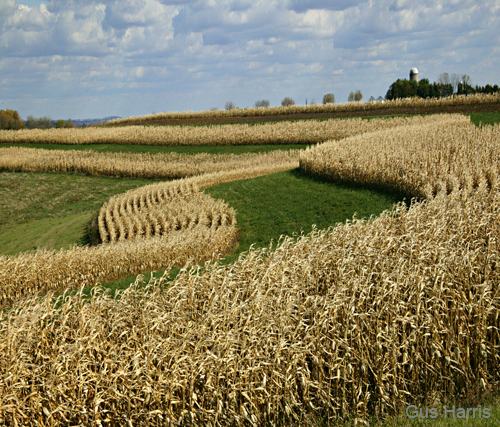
x: 360, y: 319
x: 419, y: 160
x: 303, y: 132
x: 318, y: 108
x: 158, y: 213
x: 167, y: 166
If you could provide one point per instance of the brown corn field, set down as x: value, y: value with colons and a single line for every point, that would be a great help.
x: 319, y: 108
x: 361, y: 319
x: 302, y: 132
x: 166, y: 166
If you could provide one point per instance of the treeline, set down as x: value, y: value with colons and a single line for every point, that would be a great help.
x: 47, y: 123
x: 444, y: 87
x: 10, y: 120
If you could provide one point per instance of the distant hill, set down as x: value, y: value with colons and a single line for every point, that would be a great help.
x: 86, y: 122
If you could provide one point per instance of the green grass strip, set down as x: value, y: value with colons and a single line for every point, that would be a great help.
x: 51, y: 210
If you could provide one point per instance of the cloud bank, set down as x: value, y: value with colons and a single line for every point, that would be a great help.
x: 93, y: 58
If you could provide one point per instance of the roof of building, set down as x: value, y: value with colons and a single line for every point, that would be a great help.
x: 414, y: 71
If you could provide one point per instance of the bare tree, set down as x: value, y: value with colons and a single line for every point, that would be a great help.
x: 262, y: 103
x: 287, y: 102
x: 466, y: 80
x: 455, y: 81
x: 444, y: 79
x: 229, y: 105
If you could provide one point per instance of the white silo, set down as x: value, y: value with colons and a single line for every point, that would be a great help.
x: 414, y: 75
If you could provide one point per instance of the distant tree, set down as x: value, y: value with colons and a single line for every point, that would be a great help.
x: 70, y: 124
x: 455, y: 81
x: 264, y: 103
x: 329, y: 98
x: 355, y: 96
x: 287, y: 102
x: 466, y: 80
x: 9, y: 119
x: 60, y: 124
x: 230, y: 105
x: 39, y: 123
x: 424, y: 88
x: 402, y: 88
x: 444, y: 79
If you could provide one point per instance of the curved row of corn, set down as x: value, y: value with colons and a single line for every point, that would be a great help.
x: 149, y: 166
x: 178, y: 235
x: 419, y: 160
x: 160, y: 210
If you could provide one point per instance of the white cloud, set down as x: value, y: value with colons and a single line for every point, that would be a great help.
x: 193, y: 54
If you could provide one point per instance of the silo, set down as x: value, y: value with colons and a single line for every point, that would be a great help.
x: 414, y: 75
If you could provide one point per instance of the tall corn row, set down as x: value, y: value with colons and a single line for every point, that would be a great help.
x: 158, y: 166
x: 38, y: 273
x: 419, y: 160
x: 476, y: 99
x: 132, y: 218
x: 304, y: 132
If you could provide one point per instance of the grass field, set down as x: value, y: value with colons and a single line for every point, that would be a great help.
x: 52, y: 210
x: 289, y: 202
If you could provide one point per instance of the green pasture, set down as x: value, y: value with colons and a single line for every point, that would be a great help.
x: 47, y: 210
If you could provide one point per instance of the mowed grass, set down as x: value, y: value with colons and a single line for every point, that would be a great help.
x: 52, y: 210
x: 288, y: 203
x: 481, y: 119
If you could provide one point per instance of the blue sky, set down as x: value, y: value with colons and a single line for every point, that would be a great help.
x: 95, y: 58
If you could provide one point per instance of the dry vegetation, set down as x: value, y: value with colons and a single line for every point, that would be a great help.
x: 167, y: 166
x: 304, y: 132
x: 147, y: 213
x: 208, y: 231
x: 413, y: 159
x: 43, y: 271
x: 363, y: 318
x: 350, y: 107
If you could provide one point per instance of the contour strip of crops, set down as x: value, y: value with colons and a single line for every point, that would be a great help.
x: 303, y: 132
x: 476, y: 99
x: 164, y: 166
x: 153, y: 210
x: 212, y: 235
x: 417, y: 160
x: 360, y: 319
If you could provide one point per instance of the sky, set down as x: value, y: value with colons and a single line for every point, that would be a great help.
x: 95, y: 58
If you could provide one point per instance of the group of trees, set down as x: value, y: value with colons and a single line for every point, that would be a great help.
x: 446, y: 85
x: 287, y: 101
x: 47, y: 123
x: 9, y: 119
x: 355, y: 96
